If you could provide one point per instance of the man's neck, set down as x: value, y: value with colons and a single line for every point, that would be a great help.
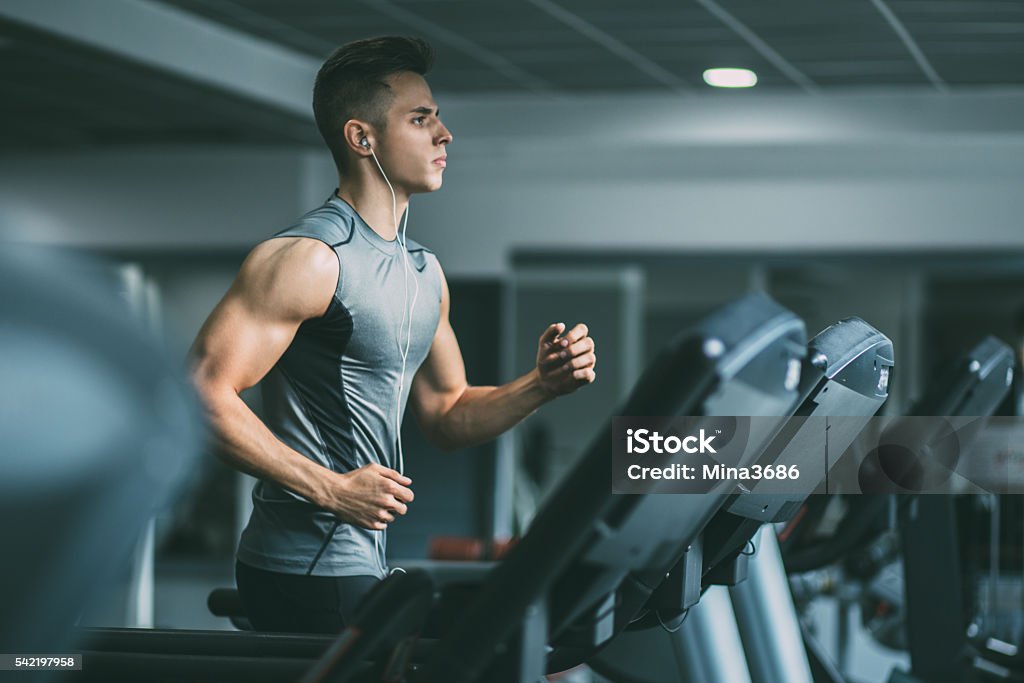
x: 371, y: 198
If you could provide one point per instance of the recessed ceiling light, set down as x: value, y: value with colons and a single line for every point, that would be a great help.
x: 730, y: 78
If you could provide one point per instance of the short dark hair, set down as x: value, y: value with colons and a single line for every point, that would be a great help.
x: 351, y: 84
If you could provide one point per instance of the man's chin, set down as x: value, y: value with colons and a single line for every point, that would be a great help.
x: 432, y: 186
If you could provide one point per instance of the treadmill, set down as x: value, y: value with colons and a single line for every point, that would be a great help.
x: 936, y: 635
x: 583, y: 571
x: 843, y: 383
x: 972, y: 385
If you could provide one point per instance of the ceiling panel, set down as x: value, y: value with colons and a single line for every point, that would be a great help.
x: 969, y: 43
x: 59, y: 92
x: 835, y: 44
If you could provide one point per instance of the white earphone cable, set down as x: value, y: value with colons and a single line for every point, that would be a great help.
x: 406, y: 315
x: 407, y: 310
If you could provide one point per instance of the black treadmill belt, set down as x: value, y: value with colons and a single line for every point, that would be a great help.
x: 134, y: 667
x: 226, y: 643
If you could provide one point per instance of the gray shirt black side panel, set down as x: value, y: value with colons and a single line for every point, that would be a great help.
x: 333, y: 394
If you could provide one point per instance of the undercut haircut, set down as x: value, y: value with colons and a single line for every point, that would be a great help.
x: 351, y: 85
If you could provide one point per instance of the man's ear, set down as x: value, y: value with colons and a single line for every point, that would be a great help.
x: 359, y: 137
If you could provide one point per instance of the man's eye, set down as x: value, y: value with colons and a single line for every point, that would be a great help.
x: 419, y: 120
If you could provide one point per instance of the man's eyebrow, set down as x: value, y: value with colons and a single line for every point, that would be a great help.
x: 425, y: 110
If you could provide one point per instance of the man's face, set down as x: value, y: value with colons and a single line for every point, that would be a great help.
x: 412, y: 148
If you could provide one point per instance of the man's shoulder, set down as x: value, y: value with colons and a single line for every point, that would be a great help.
x: 327, y: 223
x: 296, y: 274
x: 290, y: 257
x: 292, y: 253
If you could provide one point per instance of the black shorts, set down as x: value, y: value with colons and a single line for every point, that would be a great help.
x: 297, y: 603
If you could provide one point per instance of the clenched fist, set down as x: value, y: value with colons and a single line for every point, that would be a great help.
x: 370, y: 496
x: 565, y: 362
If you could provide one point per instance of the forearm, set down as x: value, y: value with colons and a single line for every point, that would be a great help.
x: 246, y: 444
x: 483, y: 413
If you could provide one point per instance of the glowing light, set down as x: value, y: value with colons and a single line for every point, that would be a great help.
x: 730, y: 78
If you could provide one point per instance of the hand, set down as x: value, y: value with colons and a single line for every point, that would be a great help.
x: 565, y: 362
x: 370, y: 496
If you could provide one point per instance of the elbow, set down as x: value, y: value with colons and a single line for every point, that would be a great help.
x: 216, y: 413
x: 440, y: 434
x: 210, y: 388
x: 212, y: 397
x: 201, y: 381
x: 207, y: 393
x: 438, y: 438
x: 443, y: 424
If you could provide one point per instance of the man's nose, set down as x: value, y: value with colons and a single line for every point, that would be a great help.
x: 446, y: 136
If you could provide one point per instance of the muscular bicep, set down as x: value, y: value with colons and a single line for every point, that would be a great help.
x: 239, y: 344
x: 278, y: 287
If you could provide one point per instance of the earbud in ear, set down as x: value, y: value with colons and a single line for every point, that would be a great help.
x: 365, y: 143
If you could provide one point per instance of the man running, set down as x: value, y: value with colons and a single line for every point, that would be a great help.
x: 344, y: 322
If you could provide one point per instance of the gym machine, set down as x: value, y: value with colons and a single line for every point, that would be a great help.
x: 584, y: 570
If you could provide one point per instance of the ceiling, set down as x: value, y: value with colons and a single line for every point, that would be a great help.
x: 64, y: 89
x: 587, y: 45
x: 58, y: 93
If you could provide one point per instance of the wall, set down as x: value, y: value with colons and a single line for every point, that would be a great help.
x: 773, y: 172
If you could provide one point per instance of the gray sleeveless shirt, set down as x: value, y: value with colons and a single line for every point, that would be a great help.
x: 332, y: 395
